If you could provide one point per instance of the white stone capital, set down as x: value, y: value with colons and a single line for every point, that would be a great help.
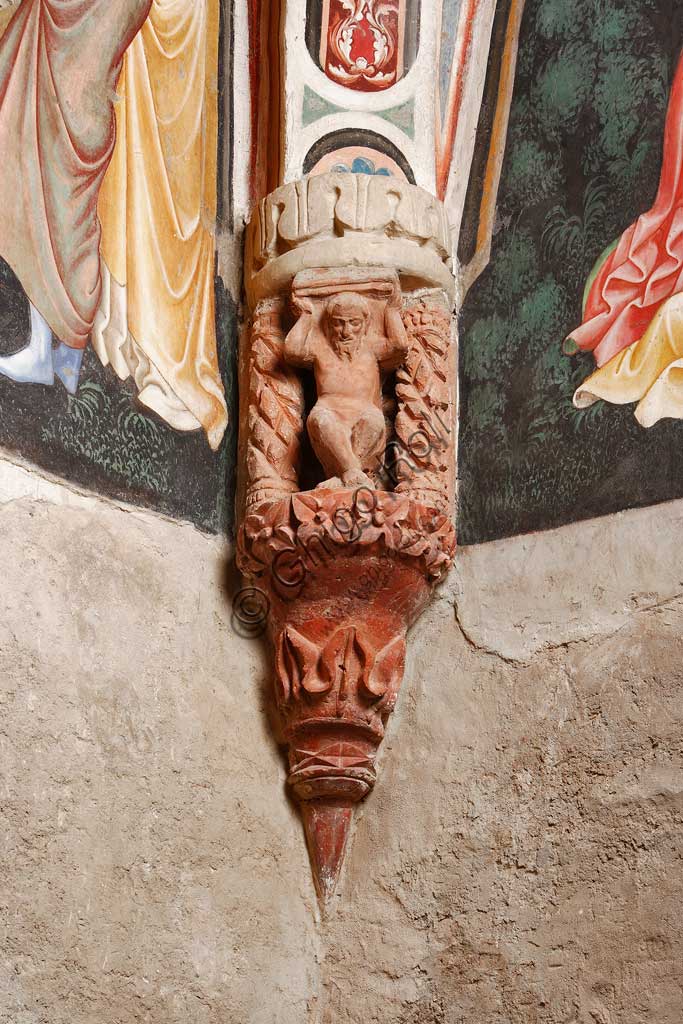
x: 347, y: 220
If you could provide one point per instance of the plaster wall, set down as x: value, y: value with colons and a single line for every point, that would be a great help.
x: 519, y: 861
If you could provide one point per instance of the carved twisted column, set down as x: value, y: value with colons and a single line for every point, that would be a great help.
x: 347, y: 466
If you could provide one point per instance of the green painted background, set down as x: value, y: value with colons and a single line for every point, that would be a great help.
x: 104, y: 439
x: 582, y: 162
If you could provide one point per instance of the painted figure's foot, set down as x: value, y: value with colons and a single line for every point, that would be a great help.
x: 67, y: 365
x: 357, y: 478
x: 32, y: 364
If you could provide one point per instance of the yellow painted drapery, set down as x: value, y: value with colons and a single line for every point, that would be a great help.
x: 650, y: 371
x: 6, y: 12
x: 157, y: 208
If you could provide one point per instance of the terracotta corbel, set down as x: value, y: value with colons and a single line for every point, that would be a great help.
x: 347, y: 467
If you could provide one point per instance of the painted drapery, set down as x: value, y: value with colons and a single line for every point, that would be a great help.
x: 649, y: 371
x: 157, y: 207
x: 633, y: 320
x: 56, y: 139
x: 112, y: 231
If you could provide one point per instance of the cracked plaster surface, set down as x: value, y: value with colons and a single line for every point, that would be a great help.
x: 519, y: 862
x: 519, y: 596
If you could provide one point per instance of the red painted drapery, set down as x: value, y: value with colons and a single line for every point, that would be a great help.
x: 646, y: 268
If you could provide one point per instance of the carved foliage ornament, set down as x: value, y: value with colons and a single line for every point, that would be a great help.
x: 339, y: 220
x: 283, y: 540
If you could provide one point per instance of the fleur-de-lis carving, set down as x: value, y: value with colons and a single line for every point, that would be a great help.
x: 347, y: 664
x: 296, y: 665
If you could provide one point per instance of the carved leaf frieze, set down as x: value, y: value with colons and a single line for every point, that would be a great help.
x: 310, y: 527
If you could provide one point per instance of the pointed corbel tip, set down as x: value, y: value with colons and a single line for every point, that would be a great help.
x: 327, y: 824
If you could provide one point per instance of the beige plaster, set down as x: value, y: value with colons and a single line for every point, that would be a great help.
x: 152, y: 869
x: 521, y: 596
x: 519, y: 861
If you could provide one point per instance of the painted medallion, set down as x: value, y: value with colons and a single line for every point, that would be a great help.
x: 367, y: 45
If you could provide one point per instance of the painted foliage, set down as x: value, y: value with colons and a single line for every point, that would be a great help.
x: 583, y: 162
x: 102, y: 438
x: 365, y: 45
x: 114, y: 340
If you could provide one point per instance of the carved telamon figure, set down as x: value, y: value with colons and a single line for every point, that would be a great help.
x: 347, y: 337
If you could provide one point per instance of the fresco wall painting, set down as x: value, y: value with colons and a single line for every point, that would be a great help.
x: 633, y: 315
x: 382, y: 130
x: 362, y: 43
x: 119, y: 373
x: 586, y: 163
x: 118, y: 338
x: 108, y: 249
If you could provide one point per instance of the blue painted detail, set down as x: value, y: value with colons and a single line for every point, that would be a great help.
x: 67, y: 366
x: 361, y: 165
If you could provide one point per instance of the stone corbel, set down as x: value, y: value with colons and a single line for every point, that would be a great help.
x: 347, y: 462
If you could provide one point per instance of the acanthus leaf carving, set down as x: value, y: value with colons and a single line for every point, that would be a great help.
x: 348, y: 665
x: 398, y: 526
x: 306, y: 657
x: 377, y: 220
x: 384, y: 676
